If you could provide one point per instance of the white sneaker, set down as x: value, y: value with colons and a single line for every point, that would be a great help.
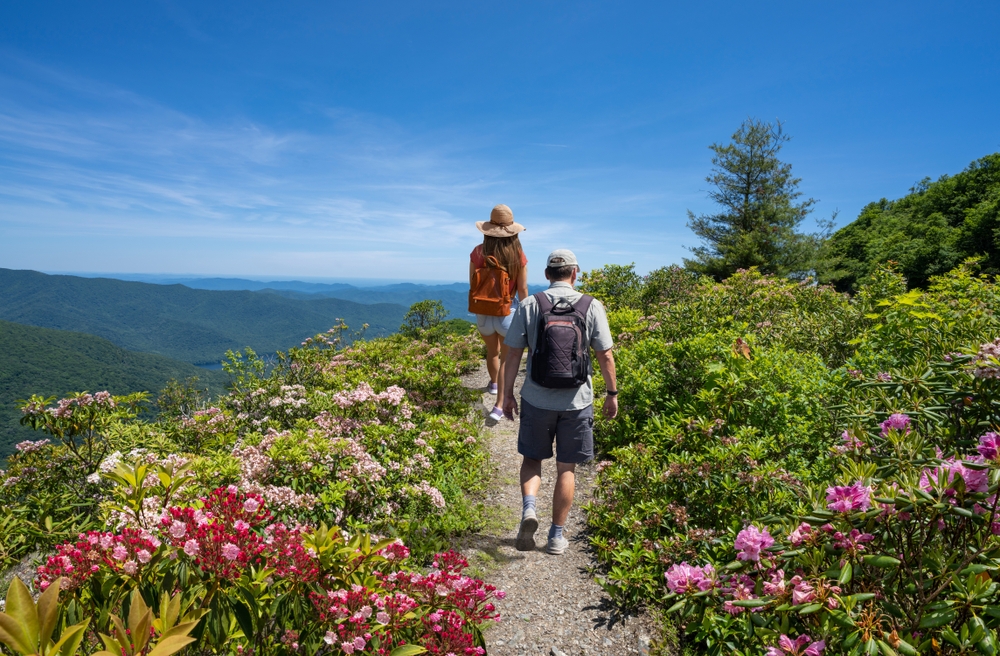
x: 496, y: 414
x: 556, y: 546
x: 493, y: 388
x: 526, y: 533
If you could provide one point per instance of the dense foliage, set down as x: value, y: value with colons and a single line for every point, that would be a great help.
x: 56, y: 362
x: 276, y: 516
x: 929, y: 232
x: 735, y: 398
x: 190, y: 325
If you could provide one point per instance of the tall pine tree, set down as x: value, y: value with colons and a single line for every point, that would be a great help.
x: 758, y: 217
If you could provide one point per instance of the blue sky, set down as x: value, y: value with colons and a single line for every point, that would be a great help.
x: 338, y: 140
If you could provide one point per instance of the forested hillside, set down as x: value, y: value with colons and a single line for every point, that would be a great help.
x: 56, y: 362
x: 928, y: 232
x: 192, y: 325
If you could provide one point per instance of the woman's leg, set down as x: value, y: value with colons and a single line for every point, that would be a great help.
x: 493, y: 355
x: 502, y: 372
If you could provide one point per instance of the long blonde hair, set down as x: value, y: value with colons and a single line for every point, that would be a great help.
x: 508, y: 252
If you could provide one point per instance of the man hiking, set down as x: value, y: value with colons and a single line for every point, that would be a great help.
x: 559, y: 327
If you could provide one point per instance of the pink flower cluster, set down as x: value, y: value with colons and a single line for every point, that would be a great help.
x: 220, y: 538
x: 976, y: 480
x: 689, y: 578
x: 852, y: 543
x: 126, y: 553
x: 364, y: 393
x: 850, y: 442
x: 897, y: 422
x: 988, y: 360
x: 29, y: 446
x: 801, y: 646
x: 849, y: 498
x: 455, y: 604
x: 751, y: 541
x: 64, y: 408
x: 989, y: 447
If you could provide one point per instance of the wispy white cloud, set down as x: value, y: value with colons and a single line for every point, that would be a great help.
x: 82, y: 158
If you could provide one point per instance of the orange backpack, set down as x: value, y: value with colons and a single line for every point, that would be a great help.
x: 489, y: 293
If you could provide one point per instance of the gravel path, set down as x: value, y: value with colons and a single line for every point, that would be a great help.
x: 553, y: 605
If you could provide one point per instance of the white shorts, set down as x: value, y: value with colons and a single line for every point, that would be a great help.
x: 489, y: 325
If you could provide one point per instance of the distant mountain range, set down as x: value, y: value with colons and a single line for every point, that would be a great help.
x: 191, y: 325
x: 56, y: 362
x: 454, y: 296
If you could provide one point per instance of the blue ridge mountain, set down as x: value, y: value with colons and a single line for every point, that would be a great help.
x: 50, y: 362
x: 191, y: 325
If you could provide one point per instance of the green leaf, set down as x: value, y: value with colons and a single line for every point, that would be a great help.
x: 861, y: 596
x: 940, y: 618
x: 69, y: 641
x: 846, y: 574
x: 751, y: 603
x: 171, y: 645
x: 809, y: 609
x: 886, y: 649
x: 22, y: 627
x: 881, y: 561
x: 244, y: 619
x: 407, y: 650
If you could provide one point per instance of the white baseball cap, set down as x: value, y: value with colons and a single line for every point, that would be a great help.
x: 562, y: 257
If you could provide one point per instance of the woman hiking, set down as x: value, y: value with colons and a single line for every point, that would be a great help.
x: 498, y: 279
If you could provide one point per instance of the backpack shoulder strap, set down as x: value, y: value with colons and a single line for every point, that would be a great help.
x: 544, y: 304
x: 582, y: 305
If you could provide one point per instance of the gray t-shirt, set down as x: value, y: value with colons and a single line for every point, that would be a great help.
x: 523, y: 332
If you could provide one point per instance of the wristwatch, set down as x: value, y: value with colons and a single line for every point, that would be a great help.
x: 611, y: 392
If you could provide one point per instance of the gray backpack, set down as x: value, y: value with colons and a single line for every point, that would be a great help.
x: 561, y: 358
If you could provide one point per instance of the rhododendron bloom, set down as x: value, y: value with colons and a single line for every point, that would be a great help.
x: 359, y: 643
x: 989, y: 446
x: 750, y: 541
x: 802, y: 591
x: 898, y: 422
x: 382, y: 617
x: 143, y: 556
x: 191, y: 548
x: 851, y: 442
x: 251, y: 505
x: 240, y: 525
x: 230, y: 551
x: 976, y: 480
x: 800, y: 534
x: 689, y: 578
x: 348, y: 647
x: 178, y: 530
x: 801, y: 646
x: 119, y: 553
x: 849, y: 498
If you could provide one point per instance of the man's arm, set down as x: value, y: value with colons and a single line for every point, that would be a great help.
x: 511, y: 367
x: 606, y: 360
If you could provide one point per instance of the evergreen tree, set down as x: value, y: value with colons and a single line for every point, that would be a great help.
x: 759, y: 213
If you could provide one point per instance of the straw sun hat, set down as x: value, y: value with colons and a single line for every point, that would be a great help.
x: 501, y: 223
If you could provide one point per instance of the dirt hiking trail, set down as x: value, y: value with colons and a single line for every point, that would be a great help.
x: 553, y: 605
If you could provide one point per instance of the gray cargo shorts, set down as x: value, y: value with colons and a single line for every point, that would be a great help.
x: 573, y: 431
